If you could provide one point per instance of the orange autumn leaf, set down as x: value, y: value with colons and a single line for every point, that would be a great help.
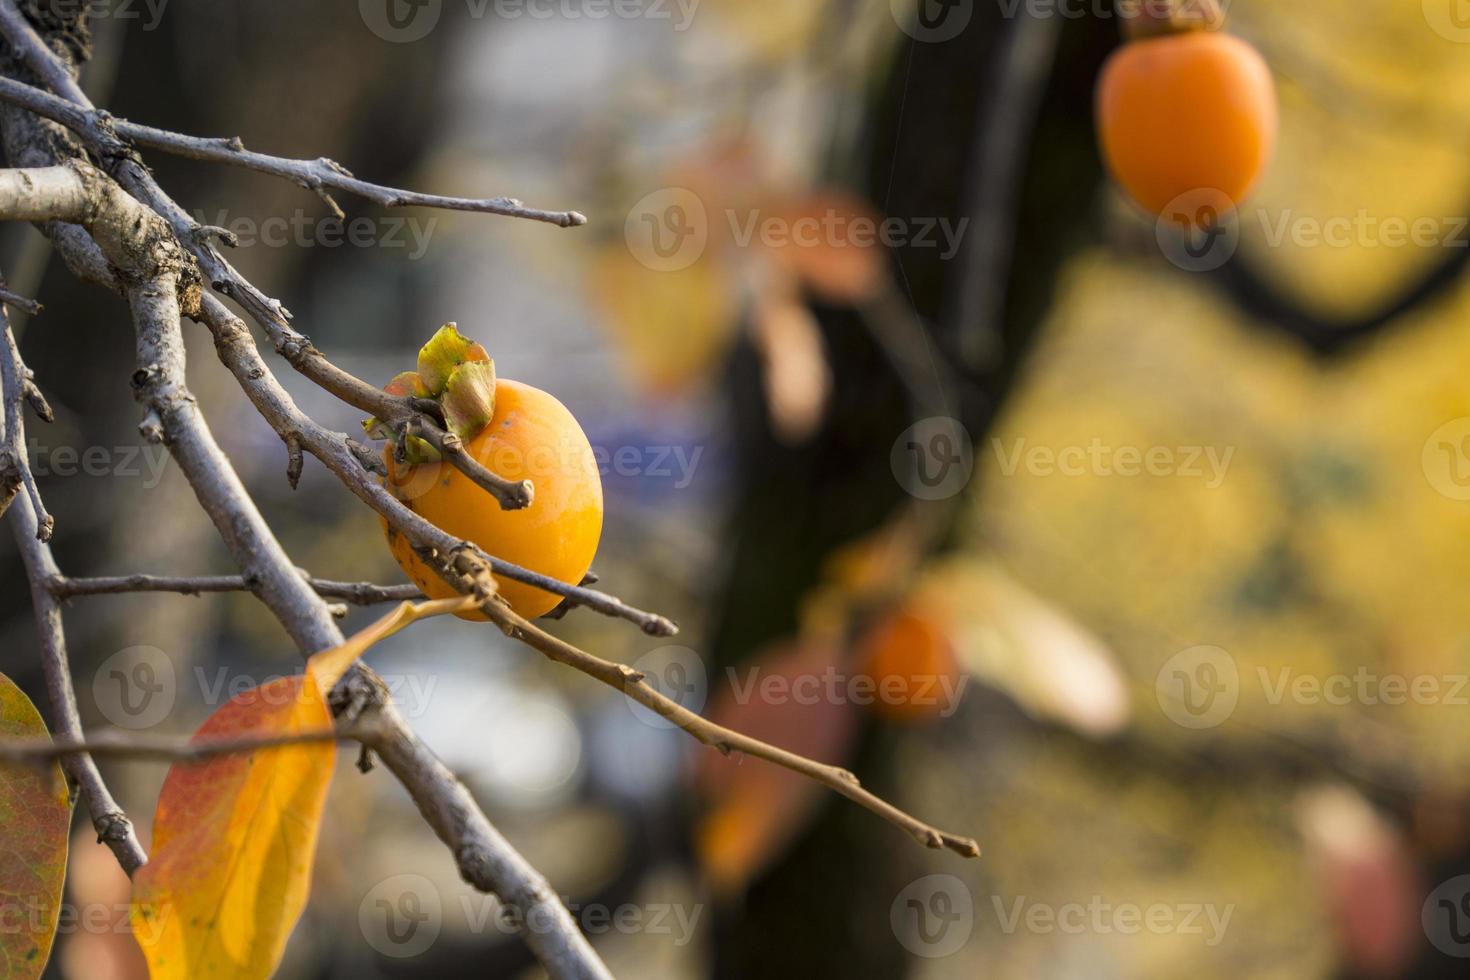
x: 234, y: 837
x: 35, y: 814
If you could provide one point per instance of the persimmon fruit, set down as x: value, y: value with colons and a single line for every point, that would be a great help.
x: 518, y: 432
x: 1184, y: 111
x: 912, y: 663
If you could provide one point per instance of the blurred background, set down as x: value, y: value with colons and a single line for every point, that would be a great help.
x: 1143, y: 565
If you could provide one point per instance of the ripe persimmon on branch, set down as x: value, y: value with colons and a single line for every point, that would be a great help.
x: 76, y: 174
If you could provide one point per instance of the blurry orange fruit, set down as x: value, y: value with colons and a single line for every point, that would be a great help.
x: 1191, y: 111
x: 913, y: 666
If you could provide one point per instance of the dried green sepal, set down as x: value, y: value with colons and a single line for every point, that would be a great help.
x: 444, y: 352
x: 409, y: 384
x: 469, y: 398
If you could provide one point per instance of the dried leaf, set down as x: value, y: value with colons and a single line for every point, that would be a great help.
x: 234, y: 837
x: 1019, y: 643
x: 35, y: 815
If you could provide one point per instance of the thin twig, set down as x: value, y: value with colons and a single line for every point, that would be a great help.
x: 632, y: 684
x: 133, y: 745
x: 20, y: 302
x: 108, y: 819
x: 114, y: 256
x: 237, y: 350
x: 358, y: 593
x: 121, y: 162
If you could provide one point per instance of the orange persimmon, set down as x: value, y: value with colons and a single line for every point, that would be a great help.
x: 520, y: 433
x: 912, y: 664
x: 1193, y: 111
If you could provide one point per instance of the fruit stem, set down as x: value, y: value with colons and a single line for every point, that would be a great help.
x: 1158, y: 18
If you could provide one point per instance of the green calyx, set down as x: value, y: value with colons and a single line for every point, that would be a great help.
x: 458, y: 374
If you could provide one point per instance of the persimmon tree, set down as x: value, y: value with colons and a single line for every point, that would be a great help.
x: 251, y: 785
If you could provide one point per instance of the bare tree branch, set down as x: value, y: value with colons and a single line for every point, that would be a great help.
x: 108, y: 819
x: 141, y: 245
x: 135, y: 745
x: 632, y: 683
x: 237, y: 350
x: 320, y: 175
x: 20, y: 302
x: 152, y: 286
x: 358, y: 593
x: 296, y: 348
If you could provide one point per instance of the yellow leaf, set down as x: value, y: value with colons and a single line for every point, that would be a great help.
x: 35, y: 813
x: 234, y: 837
